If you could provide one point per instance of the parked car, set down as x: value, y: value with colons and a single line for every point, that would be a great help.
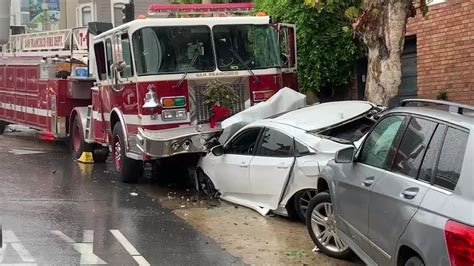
x: 273, y: 164
x: 406, y: 197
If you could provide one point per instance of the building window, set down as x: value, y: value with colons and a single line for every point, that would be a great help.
x: 85, y: 14
x: 117, y: 7
x: 408, y: 87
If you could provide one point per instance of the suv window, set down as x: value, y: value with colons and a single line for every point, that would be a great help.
x: 244, y: 143
x: 275, y: 143
x: 431, y: 157
x: 413, y: 146
x: 451, y: 158
x: 380, y: 146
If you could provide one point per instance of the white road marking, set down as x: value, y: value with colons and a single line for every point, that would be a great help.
x: 85, y: 248
x: 9, y: 238
x: 130, y: 248
x: 24, y: 152
x: 22, y: 252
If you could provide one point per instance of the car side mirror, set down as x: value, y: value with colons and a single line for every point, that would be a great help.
x: 218, y: 150
x: 345, y: 155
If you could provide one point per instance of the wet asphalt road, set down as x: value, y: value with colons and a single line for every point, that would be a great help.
x: 55, y: 211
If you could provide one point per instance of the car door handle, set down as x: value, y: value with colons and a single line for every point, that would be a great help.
x: 243, y: 165
x: 283, y: 166
x: 368, y: 181
x: 410, y: 193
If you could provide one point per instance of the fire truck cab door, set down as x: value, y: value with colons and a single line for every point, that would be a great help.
x: 288, y: 54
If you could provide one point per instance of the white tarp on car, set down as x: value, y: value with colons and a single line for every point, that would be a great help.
x: 284, y: 100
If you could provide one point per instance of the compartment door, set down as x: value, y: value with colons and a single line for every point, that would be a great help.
x: 288, y: 54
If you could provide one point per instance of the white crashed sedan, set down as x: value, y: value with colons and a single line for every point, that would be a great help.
x: 274, y: 164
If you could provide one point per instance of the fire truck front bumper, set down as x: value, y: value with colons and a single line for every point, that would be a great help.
x: 174, y: 141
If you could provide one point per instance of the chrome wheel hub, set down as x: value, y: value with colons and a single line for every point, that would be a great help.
x: 117, y: 153
x: 323, y: 224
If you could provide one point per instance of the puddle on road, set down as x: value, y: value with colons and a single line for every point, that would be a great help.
x: 243, y: 232
x: 26, y: 143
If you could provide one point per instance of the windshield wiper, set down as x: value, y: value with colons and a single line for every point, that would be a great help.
x: 188, y: 68
x: 244, y: 64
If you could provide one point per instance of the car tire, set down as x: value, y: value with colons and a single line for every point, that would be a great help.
x: 128, y: 170
x: 291, y: 210
x: 301, y: 202
x: 321, y: 227
x: 76, y: 142
x: 414, y: 261
x: 206, y: 185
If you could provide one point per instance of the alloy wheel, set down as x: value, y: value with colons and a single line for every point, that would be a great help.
x: 304, y: 199
x: 323, y: 224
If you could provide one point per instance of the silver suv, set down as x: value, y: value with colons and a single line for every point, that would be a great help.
x: 406, y: 197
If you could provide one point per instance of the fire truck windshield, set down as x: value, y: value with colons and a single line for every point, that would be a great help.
x: 241, y: 45
x: 170, y: 50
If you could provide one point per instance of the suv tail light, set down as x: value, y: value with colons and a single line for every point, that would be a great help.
x: 460, y: 243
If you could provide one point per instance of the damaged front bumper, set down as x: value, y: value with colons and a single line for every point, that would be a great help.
x: 174, y: 141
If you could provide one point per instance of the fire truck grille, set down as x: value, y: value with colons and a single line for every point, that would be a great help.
x: 202, y: 111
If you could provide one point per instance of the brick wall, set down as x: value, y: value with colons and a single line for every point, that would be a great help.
x: 445, y: 50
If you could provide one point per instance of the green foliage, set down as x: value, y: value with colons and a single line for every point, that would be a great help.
x: 327, y: 51
x: 220, y: 93
x: 442, y: 95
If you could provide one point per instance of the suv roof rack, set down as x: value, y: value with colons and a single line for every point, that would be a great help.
x: 457, y: 108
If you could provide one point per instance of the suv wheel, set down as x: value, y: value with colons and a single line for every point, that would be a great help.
x: 414, y: 261
x: 321, y: 225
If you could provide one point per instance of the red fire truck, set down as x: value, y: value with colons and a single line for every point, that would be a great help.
x: 137, y: 90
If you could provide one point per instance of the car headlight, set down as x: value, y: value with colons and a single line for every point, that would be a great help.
x: 176, y: 114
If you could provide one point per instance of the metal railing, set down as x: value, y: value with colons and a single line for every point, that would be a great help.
x: 457, y: 108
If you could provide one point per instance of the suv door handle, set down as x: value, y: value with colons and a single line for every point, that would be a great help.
x: 410, y: 193
x: 283, y: 166
x: 368, y: 181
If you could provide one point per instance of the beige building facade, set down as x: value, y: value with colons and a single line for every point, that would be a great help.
x: 76, y: 13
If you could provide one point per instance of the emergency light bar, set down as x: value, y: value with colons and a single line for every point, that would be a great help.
x: 166, y: 9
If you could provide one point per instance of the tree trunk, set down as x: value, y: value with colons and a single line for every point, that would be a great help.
x: 384, y: 34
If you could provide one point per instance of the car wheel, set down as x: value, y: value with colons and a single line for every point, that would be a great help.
x: 414, y: 261
x: 301, y: 202
x: 206, y: 185
x: 321, y: 225
x: 129, y: 170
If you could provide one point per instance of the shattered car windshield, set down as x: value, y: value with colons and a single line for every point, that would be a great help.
x: 349, y: 132
x: 241, y: 45
x: 171, y: 50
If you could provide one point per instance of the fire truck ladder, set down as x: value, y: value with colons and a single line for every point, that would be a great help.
x: 61, y: 43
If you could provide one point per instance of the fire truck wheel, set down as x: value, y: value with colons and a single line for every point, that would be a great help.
x: 128, y: 169
x: 100, y: 154
x: 3, y: 126
x: 77, y: 142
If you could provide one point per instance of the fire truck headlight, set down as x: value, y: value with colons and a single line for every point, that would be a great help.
x: 176, y: 114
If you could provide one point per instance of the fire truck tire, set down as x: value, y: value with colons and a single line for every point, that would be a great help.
x: 77, y: 143
x: 129, y: 170
x: 100, y: 154
x: 3, y: 126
